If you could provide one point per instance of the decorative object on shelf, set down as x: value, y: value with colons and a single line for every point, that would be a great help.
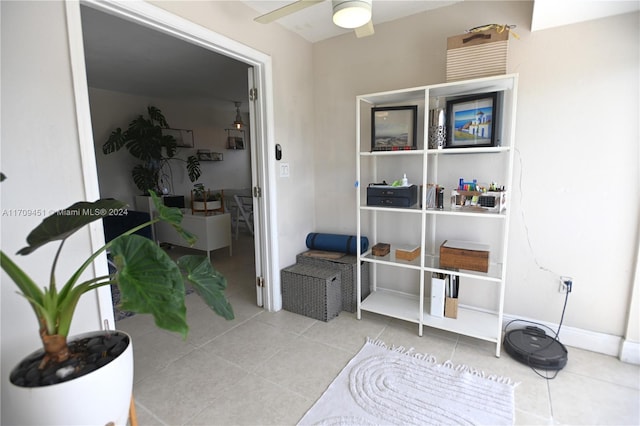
x: 235, y: 139
x: 464, y: 255
x: 205, y: 201
x: 207, y: 155
x: 437, y: 128
x: 144, y: 139
x: 481, y: 52
x: 435, y: 196
x: 472, y: 121
x: 407, y: 252
x: 184, y: 138
x: 381, y: 249
x: 394, y: 128
x: 490, y: 201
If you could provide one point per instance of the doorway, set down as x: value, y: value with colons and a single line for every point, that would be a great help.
x: 260, y: 108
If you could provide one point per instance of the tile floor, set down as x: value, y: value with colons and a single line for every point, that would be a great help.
x: 268, y: 368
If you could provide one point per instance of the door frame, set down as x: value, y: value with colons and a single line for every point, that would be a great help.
x: 263, y: 168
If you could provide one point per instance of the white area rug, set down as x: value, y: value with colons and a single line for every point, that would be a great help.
x: 382, y: 386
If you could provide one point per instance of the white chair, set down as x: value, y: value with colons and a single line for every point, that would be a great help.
x: 244, y: 212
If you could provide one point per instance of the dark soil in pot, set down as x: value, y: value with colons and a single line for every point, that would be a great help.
x: 87, y: 355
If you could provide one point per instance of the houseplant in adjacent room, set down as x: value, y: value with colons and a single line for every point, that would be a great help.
x: 145, y: 140
x: 204, y: 200
x: 50, y: 386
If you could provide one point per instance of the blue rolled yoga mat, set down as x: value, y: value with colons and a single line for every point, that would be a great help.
x: 336, y: 242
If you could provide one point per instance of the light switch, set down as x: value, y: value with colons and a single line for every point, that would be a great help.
x: 284, y: 170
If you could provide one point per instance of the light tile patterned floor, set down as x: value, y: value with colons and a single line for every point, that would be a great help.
x: 269, y: 368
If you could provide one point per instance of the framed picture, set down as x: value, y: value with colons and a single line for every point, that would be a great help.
x: 394, y: 128
x: 472, y: 121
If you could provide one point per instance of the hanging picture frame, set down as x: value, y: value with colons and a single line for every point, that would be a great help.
x: 394, y: 128
x: 472, y: 121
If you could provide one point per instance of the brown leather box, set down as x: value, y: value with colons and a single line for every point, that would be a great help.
x: 381, y: 249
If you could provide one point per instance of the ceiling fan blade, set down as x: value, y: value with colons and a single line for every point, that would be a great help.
x: 365, y: 30
x: 286, y: 10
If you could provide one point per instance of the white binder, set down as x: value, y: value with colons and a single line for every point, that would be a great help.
x: 436, y: 307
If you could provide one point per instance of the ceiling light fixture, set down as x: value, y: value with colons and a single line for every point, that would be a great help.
x: 351, y: 13
x: 237, y: 123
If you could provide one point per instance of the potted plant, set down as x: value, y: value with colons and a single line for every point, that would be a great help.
x: 146, y: 142
x: 149, y: 282
x: 203, y: 200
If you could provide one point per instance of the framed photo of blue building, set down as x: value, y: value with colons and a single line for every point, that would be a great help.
x: 472, y: 121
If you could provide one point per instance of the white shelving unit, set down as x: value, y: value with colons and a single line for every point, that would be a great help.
x: 399, y: 288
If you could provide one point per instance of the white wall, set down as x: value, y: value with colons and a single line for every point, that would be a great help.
x: 41, y: 158
x: 575, y: 203
x: 110, y: 110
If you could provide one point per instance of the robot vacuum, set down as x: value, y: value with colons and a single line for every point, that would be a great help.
x: 532, y: 346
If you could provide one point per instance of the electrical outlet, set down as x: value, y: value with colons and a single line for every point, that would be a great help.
x: 566, y: 285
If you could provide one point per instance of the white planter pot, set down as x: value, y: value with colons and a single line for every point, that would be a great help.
x: 211, y: 205
x: 97, y: 398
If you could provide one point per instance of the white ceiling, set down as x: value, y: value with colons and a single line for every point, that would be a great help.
x: 126, y: 57
x: 315, y: 22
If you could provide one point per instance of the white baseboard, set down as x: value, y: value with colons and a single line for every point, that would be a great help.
x: 589, y: 340
x: 630, y: 352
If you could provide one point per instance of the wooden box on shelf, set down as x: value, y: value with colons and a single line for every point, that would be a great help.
x: 464, y: 255
x: 381, y: 249
x: 407, y: 253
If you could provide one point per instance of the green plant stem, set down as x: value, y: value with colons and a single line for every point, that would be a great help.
x: 52, y: 276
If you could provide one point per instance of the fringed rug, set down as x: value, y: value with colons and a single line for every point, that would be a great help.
x: 382, y: 386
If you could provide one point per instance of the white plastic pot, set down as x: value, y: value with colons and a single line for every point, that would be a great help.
x: 211, y: 205
x: 97, y: 398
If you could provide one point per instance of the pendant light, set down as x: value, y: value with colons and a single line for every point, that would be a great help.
x: 351, y: 13
x: 237, y: 123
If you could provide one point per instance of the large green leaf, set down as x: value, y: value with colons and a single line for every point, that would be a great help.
x: 208, y: 283
x: 65, y: 222
x: 173, y: 216
x: 156, y: 115
x: 145, y: 178
x: 193, y: 168
x: 150, y: 282
x: 115, y: 142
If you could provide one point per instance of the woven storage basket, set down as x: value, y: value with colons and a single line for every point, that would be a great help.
x: 346, y: 265
x: 311, y: 291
